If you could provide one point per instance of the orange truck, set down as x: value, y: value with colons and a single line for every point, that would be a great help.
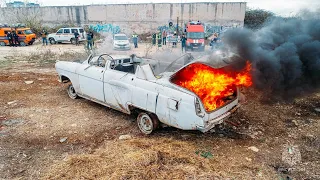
x: 195, y: 36
x: 26, y: 36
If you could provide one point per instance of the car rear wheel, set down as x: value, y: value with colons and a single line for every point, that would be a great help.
x: 147, y: 123
x: 52, y: 41
x: 22, y: 43
x: 72, y: 92
x: 73, y: 41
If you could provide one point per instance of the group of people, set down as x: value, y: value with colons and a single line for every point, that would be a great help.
x: 13, y: 38
x: 160, y: 38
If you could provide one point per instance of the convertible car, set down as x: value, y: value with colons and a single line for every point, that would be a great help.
x: 146, y: 87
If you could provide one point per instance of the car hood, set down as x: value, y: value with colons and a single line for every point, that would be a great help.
x: 52, y: 34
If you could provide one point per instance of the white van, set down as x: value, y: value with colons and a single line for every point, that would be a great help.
x: 67, y: 35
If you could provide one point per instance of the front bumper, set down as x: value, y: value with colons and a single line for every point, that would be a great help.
x: 122, y: 47
x: 195, y: 46
x: 32, y: 40
x: 217, y: 120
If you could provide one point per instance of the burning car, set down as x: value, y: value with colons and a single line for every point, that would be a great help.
x: 187, y: 94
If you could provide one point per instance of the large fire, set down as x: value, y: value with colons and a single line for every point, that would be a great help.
x: 213, y: 86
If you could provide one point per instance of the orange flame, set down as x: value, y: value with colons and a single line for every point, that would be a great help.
x: 213, y: 86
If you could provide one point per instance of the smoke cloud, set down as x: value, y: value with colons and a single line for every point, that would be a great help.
x: 285, y: 54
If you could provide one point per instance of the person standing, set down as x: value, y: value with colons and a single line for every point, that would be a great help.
x: 183, y: 43
x: 164, y: 37
x: 91, y: 34
x: 10, y: 38
x: 214, y: 41
x: 76, y: 37
x: 174, y: 43
x: 154, y: 37
x: 16, y: 38
x: 135, y: 40
x: 159, y: 39
x: 44, y: 37
x: 89, y: 41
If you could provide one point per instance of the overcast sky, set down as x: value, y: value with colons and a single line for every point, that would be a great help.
x: 280, y: 7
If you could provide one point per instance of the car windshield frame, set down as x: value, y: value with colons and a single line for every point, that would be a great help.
x: 120, y: 38
x: 178, y: 63
x: 195, y: 35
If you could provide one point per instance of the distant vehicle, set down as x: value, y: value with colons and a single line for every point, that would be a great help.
x: 129, y: 84
x: 121, y: 42
x: 67, y: 35
x: 195, y: 36
x: 26, y: 36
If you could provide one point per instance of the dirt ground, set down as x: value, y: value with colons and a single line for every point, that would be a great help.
x: 46, y: 135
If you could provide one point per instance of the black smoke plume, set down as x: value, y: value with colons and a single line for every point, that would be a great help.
x: 285, y: 55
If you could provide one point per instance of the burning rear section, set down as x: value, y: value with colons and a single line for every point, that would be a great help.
x: 215, y: 87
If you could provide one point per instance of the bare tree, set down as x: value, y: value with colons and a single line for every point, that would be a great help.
x: 30, y: 16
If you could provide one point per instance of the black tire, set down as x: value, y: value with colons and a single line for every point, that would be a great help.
x: 22, y: 43
x: 73, y: 41
x: 72, y: 92
x: 147, y: 123
x: 52, y: 41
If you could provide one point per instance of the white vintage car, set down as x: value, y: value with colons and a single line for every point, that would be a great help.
x: 131, y: 84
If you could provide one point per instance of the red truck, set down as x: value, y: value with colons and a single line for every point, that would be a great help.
x: 195, y: 36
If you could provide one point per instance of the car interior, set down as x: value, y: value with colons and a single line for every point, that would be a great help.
x: 124, y: 65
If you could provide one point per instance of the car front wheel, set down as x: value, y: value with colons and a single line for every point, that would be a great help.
x: 72, y: 92
x: 52, y: 41
x: 147, y: 123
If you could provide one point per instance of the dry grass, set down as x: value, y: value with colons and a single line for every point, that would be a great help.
x: 49, y: 56
x: 151, y: 158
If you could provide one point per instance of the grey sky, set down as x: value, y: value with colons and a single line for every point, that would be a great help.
x: 281, y: 7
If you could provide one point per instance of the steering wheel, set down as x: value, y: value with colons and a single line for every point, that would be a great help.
x: 101, y: 61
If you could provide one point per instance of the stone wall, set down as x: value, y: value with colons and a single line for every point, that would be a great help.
x: 127, y: 18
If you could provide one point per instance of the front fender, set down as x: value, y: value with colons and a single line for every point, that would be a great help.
x: 68, y: 70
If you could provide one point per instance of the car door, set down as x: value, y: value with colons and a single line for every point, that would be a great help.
x: 21, y: 35
x: 91, y: 81
x: 66, y: 35
x: 58, y: 35
x: 118, y: 85
x: 81, y: 34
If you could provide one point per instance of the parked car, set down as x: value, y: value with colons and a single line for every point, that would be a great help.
x: 128, y: 84
x: 26, y: 36
x: 121, y: 42
x: 67, y: 35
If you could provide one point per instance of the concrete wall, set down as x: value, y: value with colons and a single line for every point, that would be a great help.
x: 140, y: 18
